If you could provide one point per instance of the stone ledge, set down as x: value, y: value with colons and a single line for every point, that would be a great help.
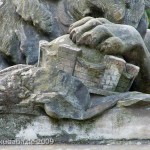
x: 117, y: 124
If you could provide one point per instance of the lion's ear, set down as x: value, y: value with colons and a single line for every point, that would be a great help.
x: 147, y: 4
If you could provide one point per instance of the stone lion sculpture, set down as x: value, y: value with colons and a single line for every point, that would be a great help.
x: 109, y: 27
x: 30, y: 21
x: 64, y: 62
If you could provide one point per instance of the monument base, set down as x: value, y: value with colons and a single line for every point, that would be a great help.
x: 118, y: 125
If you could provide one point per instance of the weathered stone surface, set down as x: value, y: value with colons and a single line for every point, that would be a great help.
x: 146, y: 39
x: 32, y: 20
x: 59, y: 94
x: 125, y: 39
x: 135, y: 100
x: 136, y: 145
x: 70, y: 81
x: 94, y: 69
x: 29, y: 21
x: 119, y: 124
x: 29, y: 90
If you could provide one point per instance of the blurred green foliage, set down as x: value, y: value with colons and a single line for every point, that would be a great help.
x: 148, y: 13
